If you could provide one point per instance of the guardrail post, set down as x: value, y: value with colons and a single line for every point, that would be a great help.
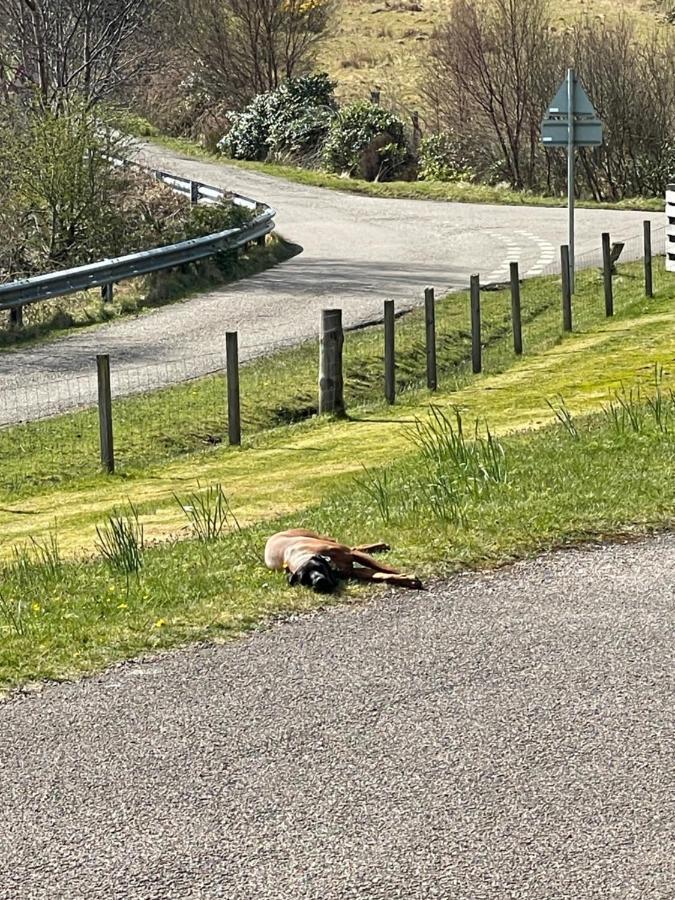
x: 194, y: 192
x: 105, y: 420
x: 262, y: 240
x: 331, y: 343
x: 607, y: 274
x: 476, y: 350
x: 430, y: 323
x: 515, y: 310
x: 389, y: 353
x: 649, y: 282
x: 106, y: 273
x: 566, y: 287
x: 233, y: 400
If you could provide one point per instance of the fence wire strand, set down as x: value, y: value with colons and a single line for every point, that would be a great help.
x: 152, y: 423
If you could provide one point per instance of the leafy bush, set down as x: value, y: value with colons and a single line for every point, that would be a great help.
x: 63, y: 203
x: 442, y: 157
x: 213, y: 218
x: 61, y: 193
x: 367, y: 141
x: 291, y: 121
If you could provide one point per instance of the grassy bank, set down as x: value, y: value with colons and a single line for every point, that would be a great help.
x: 384, y: 44
x: 289, y: 468
x: 551, y: 471
x: 449, y: 502
x: 167, y: 426
x: 456, y: 192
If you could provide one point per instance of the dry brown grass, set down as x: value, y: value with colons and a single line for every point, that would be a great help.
x: 381, y: 43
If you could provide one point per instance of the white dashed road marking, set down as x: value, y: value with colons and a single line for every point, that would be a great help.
x: 515, y: 248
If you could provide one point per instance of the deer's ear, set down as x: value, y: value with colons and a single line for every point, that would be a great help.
x: 293, y: 578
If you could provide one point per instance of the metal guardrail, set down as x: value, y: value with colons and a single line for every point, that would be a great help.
x: 16, y: 294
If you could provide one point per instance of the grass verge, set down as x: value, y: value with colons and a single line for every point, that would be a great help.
x: 450, y: 502
x: 455, y: 192
x: 168, y: 427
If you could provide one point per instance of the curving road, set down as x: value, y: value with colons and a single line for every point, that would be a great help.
x: 357, y: 251
x: 509, y: 734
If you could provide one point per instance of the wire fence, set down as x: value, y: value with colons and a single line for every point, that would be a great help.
x: 633, y: 251
x: 178, y: 407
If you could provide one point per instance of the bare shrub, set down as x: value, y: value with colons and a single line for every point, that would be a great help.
x: 83, y: 48
x: 631, y: 78
x: 491, y: 70
x: 494, y: 66
x: 248, y: 47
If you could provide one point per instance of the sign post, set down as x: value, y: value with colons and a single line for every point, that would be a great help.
x: 570, y: 171
x: 571, y: 122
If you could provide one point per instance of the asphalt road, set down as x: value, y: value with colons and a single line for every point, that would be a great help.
x: 507, y: 735
x: 357, y: 252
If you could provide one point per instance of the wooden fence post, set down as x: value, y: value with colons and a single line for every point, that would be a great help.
x: 430, y: 322
x: 16, y: 316
x: 566, y: 287
x: 105, y: 413
x: 476, y: 350
x: 417, y: 131
x: 331, y: 383
x: 233, y: 404
x: 649, y: 281
x: 389, y: 353
x: 515, y: 310
x: 607, y: 274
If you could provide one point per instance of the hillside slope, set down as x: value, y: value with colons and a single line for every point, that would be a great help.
x: 382, y: 43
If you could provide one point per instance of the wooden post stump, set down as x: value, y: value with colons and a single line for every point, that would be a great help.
x: 331, y: 383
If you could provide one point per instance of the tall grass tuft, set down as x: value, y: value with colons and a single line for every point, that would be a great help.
x: 209, y: 512
x: 120, y: 541
x: 564, y: 416
x: 450, y: 469
x: 626, y: 411
x: 16, y: 615
x: 661, y: 406
x: 37, y: 564
x: 47, y: 554
x: 473, y: 464
x: 376, y: 484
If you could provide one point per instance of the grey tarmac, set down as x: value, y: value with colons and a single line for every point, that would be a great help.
x: 356, y: 252
x: 508, y: 734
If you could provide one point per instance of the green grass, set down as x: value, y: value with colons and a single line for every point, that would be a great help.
x: 184, y: 535
x: 51, y: 468
x: 53, y: 318
x: 60, y: 618
x: 457, y: 192
x: 154, y: 429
